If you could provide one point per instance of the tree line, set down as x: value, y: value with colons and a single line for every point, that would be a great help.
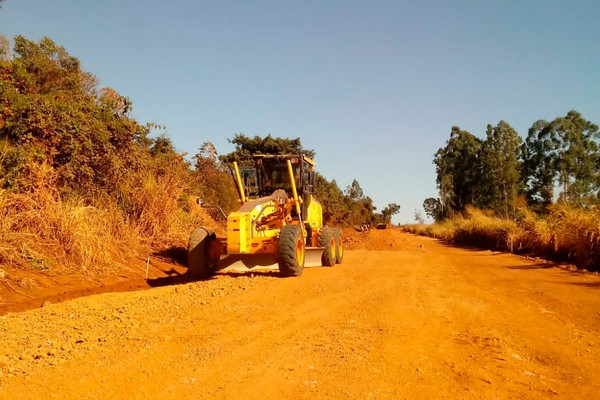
x: 559, y: 160
x: 340, y: 207
x: 60, y: 131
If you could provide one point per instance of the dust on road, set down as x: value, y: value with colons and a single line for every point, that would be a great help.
x: 403, y: 317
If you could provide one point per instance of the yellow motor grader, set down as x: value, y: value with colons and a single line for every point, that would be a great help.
x: 278, y: 223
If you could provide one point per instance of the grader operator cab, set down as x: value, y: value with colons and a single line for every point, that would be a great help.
x: 279, y: 222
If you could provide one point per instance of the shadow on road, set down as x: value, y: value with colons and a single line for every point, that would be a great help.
x: 172, y: 279
x: 592, y: 285
x: 542, y: 265
x: 180, y: 279
x: 175, y: 254
x: 178, y: 274
x: 251, y: 273
x: 455, y: 245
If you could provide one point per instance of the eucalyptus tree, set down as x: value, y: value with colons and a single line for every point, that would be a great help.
x: 564, y: 154
x: 458, y: 170
x: 499, y: 185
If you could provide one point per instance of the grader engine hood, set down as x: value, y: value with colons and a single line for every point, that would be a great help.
x: 252, y: 229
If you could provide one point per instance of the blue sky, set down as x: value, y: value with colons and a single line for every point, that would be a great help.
x: 373, y: 86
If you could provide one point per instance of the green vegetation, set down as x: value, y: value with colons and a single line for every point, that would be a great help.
x: 516, y: 182
x: 494, y: 173
x: 84, y: 186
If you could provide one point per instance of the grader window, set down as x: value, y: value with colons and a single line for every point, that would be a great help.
x: 250, y: 181
x: 273, y: 175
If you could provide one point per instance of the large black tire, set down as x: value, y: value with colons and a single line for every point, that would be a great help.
x: 339, y: 247
x: 291, y: 249
x: 328, y: 242
x: 200, y: 264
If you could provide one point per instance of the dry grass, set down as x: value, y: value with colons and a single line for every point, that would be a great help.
x: 442, y: 230
x: 576, y: 235
x: 476, y: 227
x: 42, y: 230
x: 567, y: 234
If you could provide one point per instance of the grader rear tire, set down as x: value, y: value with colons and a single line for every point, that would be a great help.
x: 327, y: 240
x: 291, y: 249
x: 201, y: 263
x: 339, y: 247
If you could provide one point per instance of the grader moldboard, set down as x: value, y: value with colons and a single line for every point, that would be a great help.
x: 279, y: 222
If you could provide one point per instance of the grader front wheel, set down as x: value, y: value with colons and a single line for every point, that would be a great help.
x: 202, y: 258
x: 292, y: 249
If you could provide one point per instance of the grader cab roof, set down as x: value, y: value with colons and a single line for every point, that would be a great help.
x: 282, y: 157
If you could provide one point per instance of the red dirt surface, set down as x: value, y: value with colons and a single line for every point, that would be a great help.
x: 402, y: 317
x: 22, y: 290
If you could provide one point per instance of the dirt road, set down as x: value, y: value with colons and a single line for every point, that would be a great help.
x: 418, y: 320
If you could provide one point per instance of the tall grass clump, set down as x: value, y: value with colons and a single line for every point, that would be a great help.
x: 481, y: 229
x: 576, y: 235
x: 41, y: 229
x: 441, y: 230
x: 474, y: 228
x: 567, y: 233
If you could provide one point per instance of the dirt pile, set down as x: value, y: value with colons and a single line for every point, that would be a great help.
x: 392, y: 239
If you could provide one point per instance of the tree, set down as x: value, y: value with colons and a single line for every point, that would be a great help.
x: 50, y: 112
x: 499, y: 182
x: 433, y: 208
x: 246, y: 146
x: 332, y: 199
x: 360, y: 207
x: 354, y: 191
x: 4, y: 47
x: 215, y: 183
x: 537, y: 166
x: 458, y: 170
x: 49, y: 66
x: 563, y: 152
x: 389, y: 211
x: 418, y: 217
x: 54, y: 119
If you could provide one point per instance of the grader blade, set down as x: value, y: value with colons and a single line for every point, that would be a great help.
x: 265, y: 262
x: 246, y: 262
x: 312, y: 256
